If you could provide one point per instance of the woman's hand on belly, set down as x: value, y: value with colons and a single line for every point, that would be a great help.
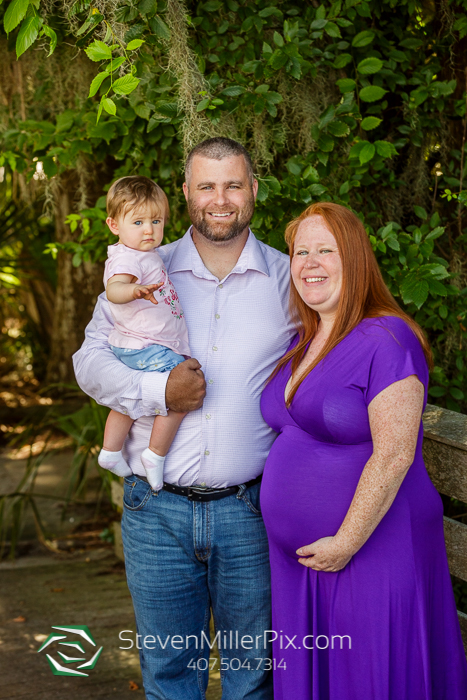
x: 326, y: 554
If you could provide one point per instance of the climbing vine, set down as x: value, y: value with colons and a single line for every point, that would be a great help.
x: 361, y: 102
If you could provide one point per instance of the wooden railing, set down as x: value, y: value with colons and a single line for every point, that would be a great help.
x: 445, y: 454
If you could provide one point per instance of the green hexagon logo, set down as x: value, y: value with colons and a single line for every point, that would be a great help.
x: 72, y: 648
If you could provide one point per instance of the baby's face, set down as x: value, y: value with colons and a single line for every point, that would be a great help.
x: 141, y: 228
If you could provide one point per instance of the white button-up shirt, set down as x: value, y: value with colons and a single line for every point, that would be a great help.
x: 238, y: 329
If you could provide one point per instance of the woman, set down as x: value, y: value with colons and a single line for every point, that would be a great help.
x: 363, y: 607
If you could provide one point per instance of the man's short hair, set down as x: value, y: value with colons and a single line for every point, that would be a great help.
x: 217, y: 149
x: 132, y: 191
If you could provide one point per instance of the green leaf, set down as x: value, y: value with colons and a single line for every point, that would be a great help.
x: 159, y: 28
x: 342, y: 60
x: 369, y: 65
x: 326, y: 117
x: 414, y: 291
x: 98, y: 51
x: 114, y: 63
x: 147, y: 6
x: 49, y: 166
x: 437, y: 288
x: 135, y: 44
x: 346, y: 84
x: 326, y: 143
x: 316, y: 190
x: 167, y: 109
x: 332, y: 30
x: 318, y: 24
x: 14, y: 13
x: 436, y: 233
x: 293, y: 166
x: 385, y: 149
x: 420, y: 212
x: 418, y: 96
x: 65, y: 121
x: 27, y: 34
x: 437, y: 391
x: 393, y: 243
x: 233, y: 91
x: 273, y: 184
x: 48, y: 31
x: 109, y: 105
x: 366, y: 153
x: 456, y: 393
x: 268, y: 11
x: 97, y: 82
x: 363, y: 39
x: 370, y: 123
x: 310, y: 173
x: 338, y: 128
x: 278, y: 40
x: 126, y: 84
x: 203, y: 104
x: 371, y: 93
x: 263, y: 191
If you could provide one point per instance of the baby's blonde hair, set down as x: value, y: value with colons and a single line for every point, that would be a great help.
x: 129, y: 192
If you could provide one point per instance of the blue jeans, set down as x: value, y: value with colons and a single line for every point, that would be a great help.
x: 182, y: 559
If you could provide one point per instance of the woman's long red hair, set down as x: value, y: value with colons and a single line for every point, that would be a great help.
x: 363, y: 295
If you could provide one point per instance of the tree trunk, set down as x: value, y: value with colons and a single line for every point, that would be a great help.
x: 77, y: 289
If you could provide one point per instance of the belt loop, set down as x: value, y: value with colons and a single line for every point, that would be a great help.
x: 241, y: 490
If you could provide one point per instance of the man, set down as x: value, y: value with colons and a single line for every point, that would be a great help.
x: 190, y: 550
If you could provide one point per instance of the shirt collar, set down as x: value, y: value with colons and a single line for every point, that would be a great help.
x: 186, y: 257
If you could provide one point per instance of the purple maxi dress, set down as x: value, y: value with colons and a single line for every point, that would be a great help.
x: 394, y: 599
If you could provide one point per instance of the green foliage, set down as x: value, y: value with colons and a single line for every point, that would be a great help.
x: 358, y: 102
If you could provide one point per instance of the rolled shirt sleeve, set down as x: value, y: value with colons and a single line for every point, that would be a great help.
x: 107, y: 380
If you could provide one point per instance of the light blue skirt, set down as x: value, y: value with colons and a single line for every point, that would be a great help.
x: 154, y: 358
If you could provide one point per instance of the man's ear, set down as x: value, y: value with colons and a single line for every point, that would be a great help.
x: 112, y: 224
x: 255, y: 187
x: 185, y: 190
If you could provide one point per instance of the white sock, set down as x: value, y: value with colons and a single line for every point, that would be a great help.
x: 154, y: 467
x: 114, y: 462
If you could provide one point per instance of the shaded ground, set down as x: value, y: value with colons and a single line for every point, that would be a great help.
x: 84, y: 585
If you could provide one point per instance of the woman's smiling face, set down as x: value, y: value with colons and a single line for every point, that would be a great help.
x: 317, y: 266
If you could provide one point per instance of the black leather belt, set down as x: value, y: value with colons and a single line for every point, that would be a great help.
x: 200, y: 493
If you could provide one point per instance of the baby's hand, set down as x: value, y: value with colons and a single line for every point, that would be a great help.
x: 146, y: 291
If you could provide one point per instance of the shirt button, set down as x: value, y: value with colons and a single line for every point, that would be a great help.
x: 220, y: 286
x: 208, y: 416
x: 217, y: 316
x: 206, y: 452
x: 214, y: 347
x: 211, y: 381
x: 157, y: 412
x: 203, y: 483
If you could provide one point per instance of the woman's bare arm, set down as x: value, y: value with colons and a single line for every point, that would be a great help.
x: 395, y: 422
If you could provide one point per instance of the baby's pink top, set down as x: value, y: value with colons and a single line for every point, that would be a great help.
x: 140, y: 323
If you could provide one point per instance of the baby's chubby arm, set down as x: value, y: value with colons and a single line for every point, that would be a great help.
x: 132, y: 392
x: 121, y: 290
x: 111, y: 383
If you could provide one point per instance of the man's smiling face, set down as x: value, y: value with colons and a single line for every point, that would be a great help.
x: 220, y: 197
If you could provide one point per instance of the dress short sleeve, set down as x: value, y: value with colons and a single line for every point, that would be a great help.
x: 122, y: 261
x: 397, y: 354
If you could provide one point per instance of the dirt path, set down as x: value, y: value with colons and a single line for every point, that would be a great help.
x: 47, y: 591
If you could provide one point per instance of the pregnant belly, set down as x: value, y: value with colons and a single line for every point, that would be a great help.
x: 307, y: 487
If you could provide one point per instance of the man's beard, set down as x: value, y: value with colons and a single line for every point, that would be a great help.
x: 213, y: 231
